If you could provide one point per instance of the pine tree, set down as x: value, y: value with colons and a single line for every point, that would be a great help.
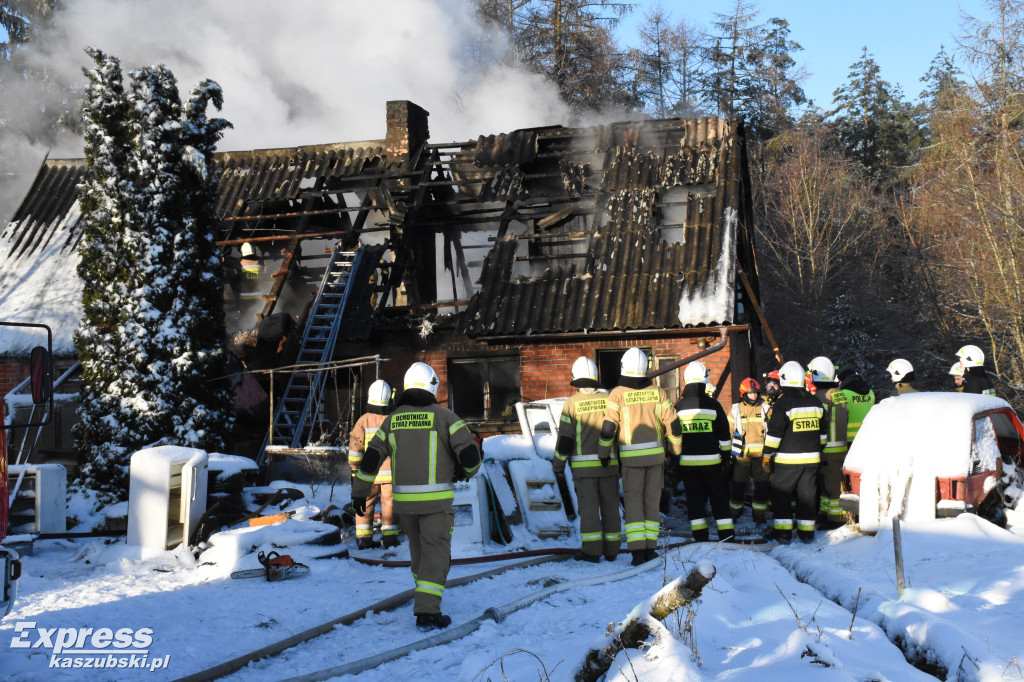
x: 570, y: 42
x: 875, y: 125
x: 668, y: 65
x: 733, y: 36
x: 773, y: 87
x: 170, y: 324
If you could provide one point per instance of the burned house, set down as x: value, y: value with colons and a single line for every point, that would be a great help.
x: 497, y: 261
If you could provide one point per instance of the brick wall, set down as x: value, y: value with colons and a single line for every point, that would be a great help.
x: 545, y: 367
x: 12, y: 372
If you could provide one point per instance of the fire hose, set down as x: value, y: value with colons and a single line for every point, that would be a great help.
x: 493, y: 613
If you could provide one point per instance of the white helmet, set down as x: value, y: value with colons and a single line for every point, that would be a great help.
x: 710, y: 390
x: 822, y: 370
x: 634, y: 363
x: 957, y: 369
x: 791, y: 375
x: 247, y: 250
x: 379, y: 393
x: 971, y: 356
x: 695, y: 372
x: 421, y: 375
x: 584, y: 368
x: 899, y: 368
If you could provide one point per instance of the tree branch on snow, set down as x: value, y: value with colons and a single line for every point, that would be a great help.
x: 638, y: 625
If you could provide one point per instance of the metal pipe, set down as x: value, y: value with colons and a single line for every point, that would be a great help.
x: 696, y: 356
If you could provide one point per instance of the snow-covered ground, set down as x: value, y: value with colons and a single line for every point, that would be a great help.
x: 827, y: 610
x: 769, y: 613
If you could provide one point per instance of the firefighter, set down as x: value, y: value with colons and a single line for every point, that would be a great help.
x: 377, y: 401
x: 772, y: 389
x: 794, y: 437
x: 746, y: 423
x: 706, y: 441
x: 976, y: 379
x: 957, y: 372
x: 858, y: 397
x: 833, y: 455
x: 596, y: 480
x: 252, y: 271
x: 430, y: 448
x: 902, y: 374
x: 639, y: 417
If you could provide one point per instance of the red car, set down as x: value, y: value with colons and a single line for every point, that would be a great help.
x: 925, y: 455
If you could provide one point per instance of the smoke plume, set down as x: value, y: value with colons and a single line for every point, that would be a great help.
x: 295, y: 73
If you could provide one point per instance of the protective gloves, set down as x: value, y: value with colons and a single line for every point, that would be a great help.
x: 359, y: 506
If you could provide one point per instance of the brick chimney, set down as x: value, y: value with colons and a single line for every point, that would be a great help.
x: 407, y: 130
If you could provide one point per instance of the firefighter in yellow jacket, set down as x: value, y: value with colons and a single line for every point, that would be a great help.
x: 639, y: 417
x: 747, y: 420
x: 377, y: 401
x: 596, y: 480
x: 430, y: 449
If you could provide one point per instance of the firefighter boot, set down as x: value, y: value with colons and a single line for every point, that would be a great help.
x: 432, y: 621
x: 367, y: 543
x: 650, y: 553
x: 638, y: 557
x: 783, y: 537
x: 701, y: 535
x: 581, y: 556
x: 390, y: 541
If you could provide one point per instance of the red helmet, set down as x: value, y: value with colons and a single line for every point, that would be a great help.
x: 774, y: 376
x: 749, y: 384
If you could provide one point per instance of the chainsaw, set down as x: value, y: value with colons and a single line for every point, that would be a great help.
x: 275, y: 567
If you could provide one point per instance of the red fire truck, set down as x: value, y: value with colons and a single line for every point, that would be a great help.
x: 42, y: 392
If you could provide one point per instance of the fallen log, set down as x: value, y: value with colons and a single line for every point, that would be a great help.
x: 634, y: 628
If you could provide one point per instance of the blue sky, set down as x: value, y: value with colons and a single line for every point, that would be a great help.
x: 903, y: 35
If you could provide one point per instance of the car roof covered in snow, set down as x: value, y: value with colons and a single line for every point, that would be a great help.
x: 931, y: 429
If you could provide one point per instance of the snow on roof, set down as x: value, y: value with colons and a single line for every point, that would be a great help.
x: 41, y: 287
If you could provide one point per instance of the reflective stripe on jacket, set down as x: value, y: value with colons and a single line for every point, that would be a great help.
x: 643, y: 419
x: 705, y: 427
x: 748, y: 421
x: 581, y: 420
x: 423, y: 442
x: 365, y: 427
x: 797, y: 429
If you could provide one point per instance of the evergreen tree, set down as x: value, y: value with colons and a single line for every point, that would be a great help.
x: 773, y: 86
x: 170, y: 327
x: 875, y: 125
x: 732, y: 38
x: 668, y: 66
x: 104, y: 267
x: 570, y: 42
x: 203, y: 409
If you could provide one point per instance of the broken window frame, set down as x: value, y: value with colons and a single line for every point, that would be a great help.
x: 487, y: 367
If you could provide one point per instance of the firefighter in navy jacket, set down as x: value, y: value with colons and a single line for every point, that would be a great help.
x: 596, y: 482
x: 430, y: 448
x: 796, y: 433
x: 976, y: 379
x: 640, y: 418
x: 706, y: 442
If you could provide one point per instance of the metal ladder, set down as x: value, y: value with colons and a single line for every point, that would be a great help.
x: 292, y: 417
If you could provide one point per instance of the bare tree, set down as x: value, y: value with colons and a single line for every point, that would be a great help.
x: 818, y: 214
